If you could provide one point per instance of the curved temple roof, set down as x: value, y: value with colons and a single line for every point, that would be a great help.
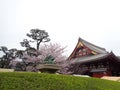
x: 100, y: 53
x: 93, y: 47
x: 97, y: 57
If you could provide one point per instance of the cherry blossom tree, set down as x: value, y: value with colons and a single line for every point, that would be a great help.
x: 48, y: 54
x: 29, y: 60
x: 55, y: 50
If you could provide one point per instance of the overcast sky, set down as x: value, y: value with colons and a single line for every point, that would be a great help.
x: 97, y: 21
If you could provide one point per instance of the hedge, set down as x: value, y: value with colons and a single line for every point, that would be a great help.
x: 44, y: 81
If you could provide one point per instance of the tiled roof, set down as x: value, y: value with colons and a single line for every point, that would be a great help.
x: 92, y: 46
x: 101, y: 53
x: 89, y: 58
x: 118, y: 57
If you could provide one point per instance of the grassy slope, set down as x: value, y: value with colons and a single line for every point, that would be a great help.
x: 35, y: 81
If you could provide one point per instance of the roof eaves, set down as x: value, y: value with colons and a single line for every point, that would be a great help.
x: 90, y: 58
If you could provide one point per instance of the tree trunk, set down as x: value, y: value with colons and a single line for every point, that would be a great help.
x: 38, y: 44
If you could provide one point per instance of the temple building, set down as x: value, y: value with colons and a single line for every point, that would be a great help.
x: 92, y: 60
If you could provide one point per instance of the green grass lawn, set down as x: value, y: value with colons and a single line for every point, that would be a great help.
x: 44, y: 81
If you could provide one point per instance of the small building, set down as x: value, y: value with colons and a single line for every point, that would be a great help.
x: 92, y: 60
